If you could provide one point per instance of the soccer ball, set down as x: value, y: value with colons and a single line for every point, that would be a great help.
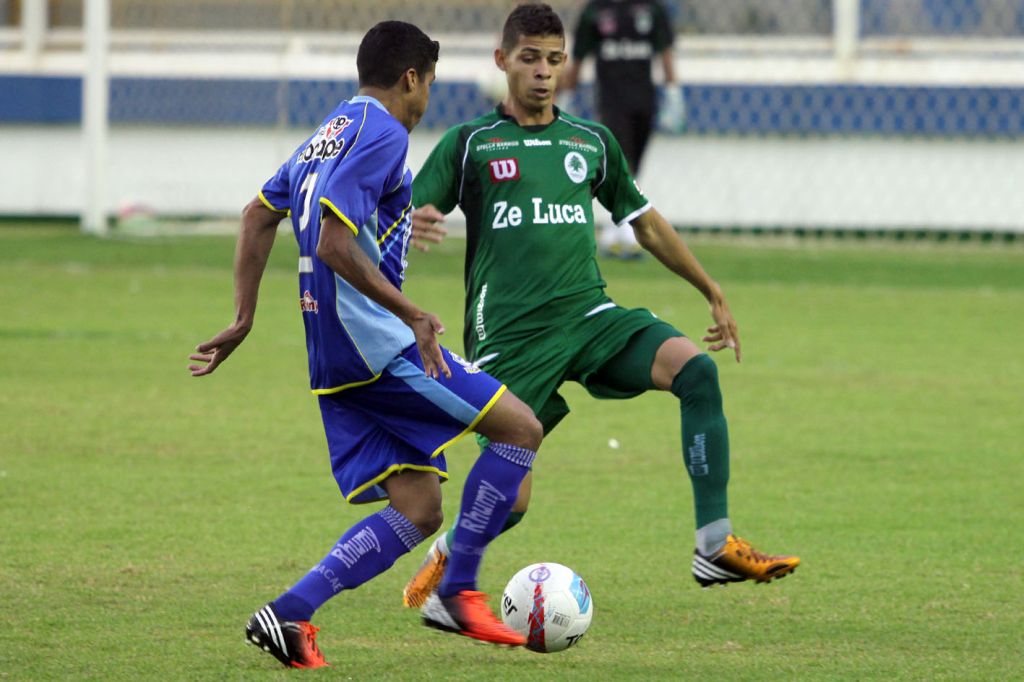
x: 549, y: 605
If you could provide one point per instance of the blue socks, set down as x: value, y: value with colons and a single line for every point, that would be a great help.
x: 371, y: 546
x: 491, y: 489
x: 368, y: 549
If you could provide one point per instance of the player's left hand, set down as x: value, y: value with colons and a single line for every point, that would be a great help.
x: 217, y: 349
x: 426, y: 327
x: 724, y: 333
x: 672, y: 112
x: 427, y: 227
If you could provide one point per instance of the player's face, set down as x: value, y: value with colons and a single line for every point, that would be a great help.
x: 419, y: 99
x: 532, y: 68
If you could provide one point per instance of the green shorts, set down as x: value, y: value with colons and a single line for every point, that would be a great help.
x: 534, y: 365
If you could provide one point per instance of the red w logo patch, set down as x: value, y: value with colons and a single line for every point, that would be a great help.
x: 504, y: 170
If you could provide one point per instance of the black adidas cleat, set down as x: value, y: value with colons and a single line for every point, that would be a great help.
x: 293, y: 642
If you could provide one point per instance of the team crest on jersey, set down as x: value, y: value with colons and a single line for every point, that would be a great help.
x: 307, y: 303
x: 327, y: 143
x: 606, y: 23
x: 576, y: 167
x: 643, y: 20
x: 503, y: 170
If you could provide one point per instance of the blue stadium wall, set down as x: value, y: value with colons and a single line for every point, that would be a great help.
x: 712, y: 108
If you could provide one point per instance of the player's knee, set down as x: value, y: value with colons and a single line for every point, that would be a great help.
x: 536, y: 434
x: 697, y: 382
x: 431, y: 523
x: 520, y: 428
x: 426, y: 516
x: 530, y: 431
x: 427, y: 520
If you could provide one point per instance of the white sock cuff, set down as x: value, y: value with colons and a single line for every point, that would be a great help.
x: 406, y: 531
x: 712, y: 536
x: 513, y: 453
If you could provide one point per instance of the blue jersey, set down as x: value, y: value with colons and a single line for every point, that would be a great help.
x: 355, y: 167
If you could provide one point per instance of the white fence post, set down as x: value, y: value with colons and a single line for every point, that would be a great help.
x: 845, y: 34
x: 95, y: 102
x: 33, y: 29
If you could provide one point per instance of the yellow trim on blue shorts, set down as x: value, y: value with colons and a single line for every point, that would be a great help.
x: 334, y: 209
x: 339, y: 389
x: 472, y: 424
x: 387, y: 472
x: 266, y: 202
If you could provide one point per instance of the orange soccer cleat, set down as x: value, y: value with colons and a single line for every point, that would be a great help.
x: 467, y: 614
x: 738, y: 561
x: 428, y: 577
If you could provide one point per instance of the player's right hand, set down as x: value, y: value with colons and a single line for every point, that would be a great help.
x: 426, y: 327
x: 724, y: 333
x: 217, y: 349
x: 427, y: 227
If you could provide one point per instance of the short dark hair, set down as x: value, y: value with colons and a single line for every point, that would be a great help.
x: 530, y: 19
x: 391, y: 48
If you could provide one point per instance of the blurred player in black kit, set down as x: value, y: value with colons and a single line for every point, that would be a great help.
x: 625, y: 36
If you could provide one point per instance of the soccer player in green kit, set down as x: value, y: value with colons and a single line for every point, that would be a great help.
x: 525, y: 176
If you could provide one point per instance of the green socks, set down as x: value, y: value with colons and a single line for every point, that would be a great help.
x: 705, y: 437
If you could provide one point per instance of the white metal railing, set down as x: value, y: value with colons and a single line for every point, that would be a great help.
x: 96, y: 52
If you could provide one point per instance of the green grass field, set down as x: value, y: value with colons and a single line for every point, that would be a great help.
x: 876, y: 427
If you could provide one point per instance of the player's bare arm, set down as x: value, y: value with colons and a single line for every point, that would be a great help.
x: 427, y: 227
x: 338, y: 249
x: 658, y: 237
x: 255, y: 240
x: 668, y: 66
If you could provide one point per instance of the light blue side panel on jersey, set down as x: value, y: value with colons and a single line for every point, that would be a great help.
x: 433, y: 390
x: 377, y: 333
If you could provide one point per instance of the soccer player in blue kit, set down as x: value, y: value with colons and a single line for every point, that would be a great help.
x: 392, y: 399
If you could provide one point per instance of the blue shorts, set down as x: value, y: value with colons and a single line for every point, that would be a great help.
x: 403, y: 420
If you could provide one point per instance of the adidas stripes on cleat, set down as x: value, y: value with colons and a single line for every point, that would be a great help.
x: 738, y: 561
x: 289, y: 641
x: 467, y: 614
x: 428, y: 577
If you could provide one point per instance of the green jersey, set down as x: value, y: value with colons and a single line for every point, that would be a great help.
x: 527, y: 194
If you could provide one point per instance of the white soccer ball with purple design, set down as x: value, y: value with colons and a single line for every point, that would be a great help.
x: 549, y: 604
